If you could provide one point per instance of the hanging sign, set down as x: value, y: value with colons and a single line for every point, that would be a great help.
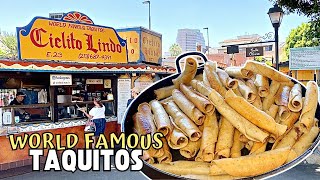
x: 73, y: 38
x: 94, y: 81
x: 254, y: 51
x: 304, y: 58
x: 60, y: 79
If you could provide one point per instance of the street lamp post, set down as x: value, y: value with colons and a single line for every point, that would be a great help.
x: 275, y: 14
x: 207, y: 38
x: 148, y: 2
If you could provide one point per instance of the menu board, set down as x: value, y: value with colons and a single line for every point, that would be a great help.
x: 124, y: 93
x: 306, y: 58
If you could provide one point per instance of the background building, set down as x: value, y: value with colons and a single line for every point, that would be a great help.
x: 56, y: 15
x: 220, y: 55
x: 189, y: 38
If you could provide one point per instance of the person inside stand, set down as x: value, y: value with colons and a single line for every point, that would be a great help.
x: 134, y: 94
x: 19, y: 101
x: 97, y: 115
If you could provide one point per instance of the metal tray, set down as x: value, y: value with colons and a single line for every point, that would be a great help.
x: 147, y: 95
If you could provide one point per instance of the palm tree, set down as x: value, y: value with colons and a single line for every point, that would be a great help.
x: 175, y: 50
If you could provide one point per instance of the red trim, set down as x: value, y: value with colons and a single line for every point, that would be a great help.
x: 81, y: 65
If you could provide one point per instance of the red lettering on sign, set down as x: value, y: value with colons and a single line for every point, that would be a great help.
x: 35, y: 37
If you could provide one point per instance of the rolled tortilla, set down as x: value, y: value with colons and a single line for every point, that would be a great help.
x: 190, y: 70
x: 283, y: 113
x: 267, y: 71
x: 270, y: 98
x: 170, y: 98
x: 258, y: 147
x: 182, y: 121
x: 254, y: 115
x: 213, y: 78
x: 167, y: 156
x: 201, y: 87
x: 188, y: 107
x: 185, y: 167
x: 203, y: 104
x: 177, y: 139
x: 247, y: 92
x: 225, y: 138
x: 209, y: 139
x: 250, y: 130
x: 295, y: 98
x: 289, y: 139
x: 272, y: 111
x: 282, y: 96
x: 303, y: 143
x: 237, y: 92
x: 243, y: 138
x: 191, y: 149
x: 146, y: 157
x: 227, y: 81
x: 249, y: 145
x: 161, y: 118
x: 309, y: 106
x: 257, y: 102
x: 237, y: 145
x: 291, y: 119
x: 199, y: 77
x: 239, y: 72
x: 262, y: 84
x: 143, y: 125
x: 205, y: 79
x: 250, y: 165
x: 164, y: 92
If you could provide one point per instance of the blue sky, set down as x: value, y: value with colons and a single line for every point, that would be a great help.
x: 225, y: 19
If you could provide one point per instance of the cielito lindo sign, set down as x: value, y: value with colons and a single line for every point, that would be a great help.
x: 73, y: 38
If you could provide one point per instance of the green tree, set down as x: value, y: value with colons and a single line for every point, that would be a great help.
x: 175, y: 50
x: 259, y: 58
x: 302, y: 36
x: 8, y: 45
x: 309, y: 8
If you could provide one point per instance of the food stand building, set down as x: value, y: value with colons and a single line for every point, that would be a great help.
x: 62, y: 65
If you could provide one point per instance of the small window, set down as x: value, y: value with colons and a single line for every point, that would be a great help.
x: 268, y: 48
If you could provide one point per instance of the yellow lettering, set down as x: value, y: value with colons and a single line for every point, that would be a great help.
x: 114, y: 140
x: 157, y: 138
x: 135, y: 141
x: 88, y: 139
x: 34, y: 143
x: 75, y: 140
x: 47, y: 140
x: 102, y: 141
x: 59, y: 145
x: 18, y: 142
x: 145, y: 141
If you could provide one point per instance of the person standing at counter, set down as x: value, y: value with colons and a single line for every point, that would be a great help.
x: 97, y: 115
x: 19, y: 101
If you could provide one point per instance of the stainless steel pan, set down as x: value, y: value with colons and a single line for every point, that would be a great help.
x: 147, y: 95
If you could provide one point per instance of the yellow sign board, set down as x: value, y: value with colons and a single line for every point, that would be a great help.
x: 133, y: 44
x: 151, y: 47
x: 70, y: 39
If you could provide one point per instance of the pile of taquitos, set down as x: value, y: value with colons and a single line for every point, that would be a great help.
x: 237, y: 122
